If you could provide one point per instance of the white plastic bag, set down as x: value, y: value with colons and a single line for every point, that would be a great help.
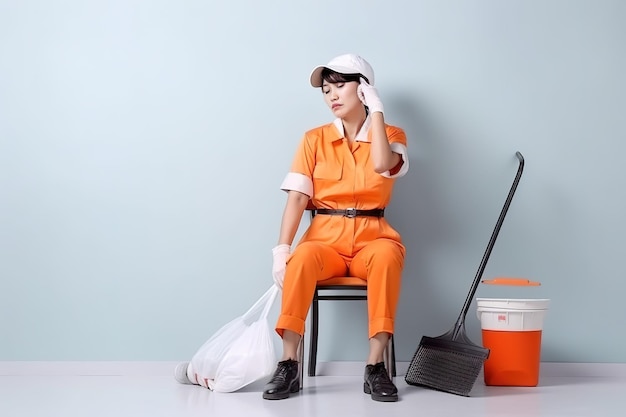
x: 239, y: 353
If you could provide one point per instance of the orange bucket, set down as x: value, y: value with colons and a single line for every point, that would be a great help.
x: 511, y: 330
x: 514, y: 358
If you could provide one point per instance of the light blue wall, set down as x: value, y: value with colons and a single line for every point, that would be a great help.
x: 142, y: 144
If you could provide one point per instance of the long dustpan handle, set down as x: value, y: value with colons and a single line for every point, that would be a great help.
x: 483, y: 263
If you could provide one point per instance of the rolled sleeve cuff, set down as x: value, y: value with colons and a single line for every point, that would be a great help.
x: 402, y: 151
x: 298, y: 182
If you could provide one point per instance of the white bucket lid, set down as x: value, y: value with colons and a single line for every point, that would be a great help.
x: 514, y: 303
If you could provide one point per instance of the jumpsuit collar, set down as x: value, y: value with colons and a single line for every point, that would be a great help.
x: 362, y: 136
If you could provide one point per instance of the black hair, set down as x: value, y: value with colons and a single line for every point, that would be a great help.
x: 333, y: 77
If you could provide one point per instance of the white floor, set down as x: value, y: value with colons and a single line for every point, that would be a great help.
x: 75, y: 389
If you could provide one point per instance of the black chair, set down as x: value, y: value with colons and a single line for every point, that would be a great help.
x: 352, y: 288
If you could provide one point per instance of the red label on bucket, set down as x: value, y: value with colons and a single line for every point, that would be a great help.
x: 501, y: 317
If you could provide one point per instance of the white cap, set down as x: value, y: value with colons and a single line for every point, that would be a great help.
x: 344, y: 64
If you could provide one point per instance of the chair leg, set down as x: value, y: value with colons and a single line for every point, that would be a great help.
x: 393, y: 357
x: 301, y: 361
x: 313, y: 344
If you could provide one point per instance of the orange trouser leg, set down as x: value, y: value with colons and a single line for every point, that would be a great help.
x: 380, y: 262
x: 309, y: 263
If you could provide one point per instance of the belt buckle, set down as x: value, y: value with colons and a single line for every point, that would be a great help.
x: 350, y: 213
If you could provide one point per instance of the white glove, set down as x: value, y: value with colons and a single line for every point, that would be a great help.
x: 281, y: 253
x: 369, y: 97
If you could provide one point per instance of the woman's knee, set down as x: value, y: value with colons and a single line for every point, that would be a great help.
x: 317, y: 260
x: 386, y: 252
x: 307, y: 253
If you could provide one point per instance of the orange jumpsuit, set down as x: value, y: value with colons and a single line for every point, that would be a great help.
x: 337, y: 175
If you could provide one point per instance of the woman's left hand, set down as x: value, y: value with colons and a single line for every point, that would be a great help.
x: 280, y: 254
x: 369, y: 97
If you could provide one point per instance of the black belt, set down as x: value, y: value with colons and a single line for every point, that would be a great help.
x: 352, y: 212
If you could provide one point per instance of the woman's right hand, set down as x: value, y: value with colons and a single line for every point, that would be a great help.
x: 280, y: 253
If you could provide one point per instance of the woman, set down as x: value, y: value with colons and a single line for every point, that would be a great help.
x: 351, y: 163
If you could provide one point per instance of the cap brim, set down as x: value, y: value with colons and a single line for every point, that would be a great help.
x: 316, y: 74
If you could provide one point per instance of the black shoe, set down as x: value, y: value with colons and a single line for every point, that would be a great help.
x: 378, y: 384
x: 285, y: 381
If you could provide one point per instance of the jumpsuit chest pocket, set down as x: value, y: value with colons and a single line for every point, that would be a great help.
x: 328, y: 172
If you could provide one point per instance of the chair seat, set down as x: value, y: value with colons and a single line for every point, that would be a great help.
x: 343, y: 282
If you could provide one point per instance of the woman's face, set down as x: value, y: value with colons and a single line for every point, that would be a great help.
x: 342, y: 98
